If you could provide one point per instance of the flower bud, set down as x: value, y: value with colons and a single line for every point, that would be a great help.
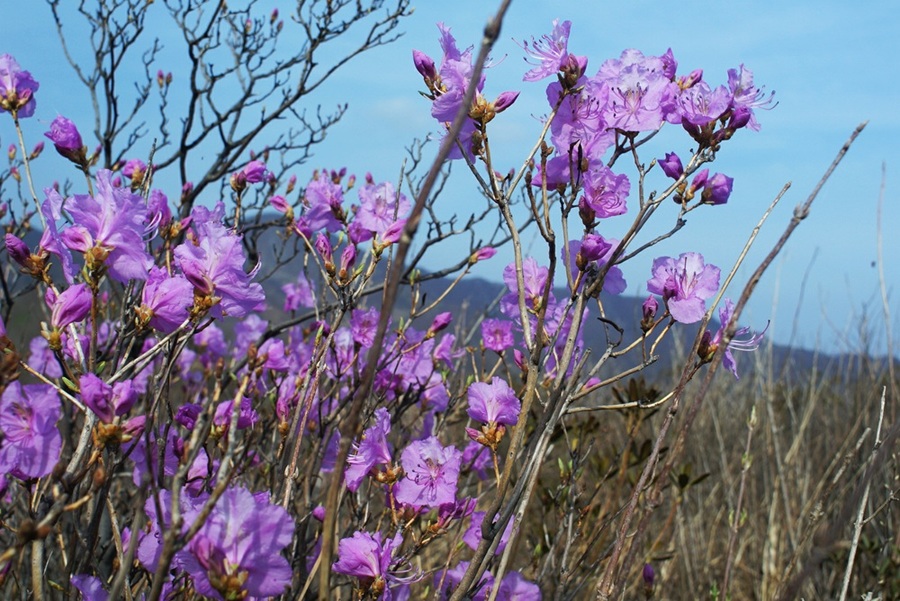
x: 648, y: 310
x: 135, y: 170
x: 718, y: 189
x: 348, y: 260
x: 671, y: 165
x: 586, y: 212
x: 482, y: 254
x: 17, y: 249
x: 393, y: 232
x: 441, y: 321
x: 593, y: 247
x: 280, y: 204
x: 424, y: 65
x: 699, y: 180
x: 67, y: 140
x: 690, y: 80
x: 504, y: 101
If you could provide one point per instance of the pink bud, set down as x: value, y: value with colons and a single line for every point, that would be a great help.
x: 504, y: 101
x: 393, y: 232
x: 280, y: 204
x: 441, y: 321
x: 482, y: 254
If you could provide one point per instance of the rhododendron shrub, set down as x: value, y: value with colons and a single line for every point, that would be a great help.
x: 207, y: 412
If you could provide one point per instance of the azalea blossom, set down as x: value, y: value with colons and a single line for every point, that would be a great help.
x: 237, y: 551
x: 17, y: 88
x: 684, y: 283
x: 214, y: 264
x: 109, y: 230
x: 710, y: 342
x: 31, y: 442
x: 371, y: 559
x: 432, y: 471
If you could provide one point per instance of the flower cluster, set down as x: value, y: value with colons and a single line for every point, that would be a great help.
x: 241, y: 441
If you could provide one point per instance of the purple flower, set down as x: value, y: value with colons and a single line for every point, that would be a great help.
x: 323, y: 198
x: 252, y: 173
x: 445, y: 583
x: 109, y: 230
x: 699, y: 180
x: 370, y: 559
x: 477, y: 459
x: 18, y: 250
x: 363, y: 324
x: 214, y: 264
x: 472, y: 536
x: 424, y: 65
x: 146, y: 462
x: 640, y: 93
x: 494, y: 403
x: 482, y: 254
x: 534, y: 279
x: 150, y: 544
x: 606, y: 192
x: 516, y: 588
x: 671, y: 165
x: 684, y: 283
x: 71, y: 306
x: 298, y: 294
x: 431, y: 470
x: 709, y: 344
x: 593, y: 248
x: 614, y: 282
x: 551, y: 52
x: 17, y: 88
x: 496, y: 334
x: 455, y: 72
x: 165, y: 301
x: 700, y: 104
x: 134, y: 168
x: 67, y: 140
x: 393, y: 233
x: 372, y: 450
x: 746, y: 96
x: 440, y: 323
x: 106, y: 401
x: 280, y: 204
x: 717, y: 189
x: 42, y: 359
x: 579, y: 131
x: 449, y: 91
x: 237, y: 551
x: 247, y: 416
x: 158, y: 212
x: 31, y: 441
x: 380, y: 206
x: 648, y: 312
x: 90, y: 587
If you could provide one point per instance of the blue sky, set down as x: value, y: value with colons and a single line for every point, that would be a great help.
x: 829, y: 63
